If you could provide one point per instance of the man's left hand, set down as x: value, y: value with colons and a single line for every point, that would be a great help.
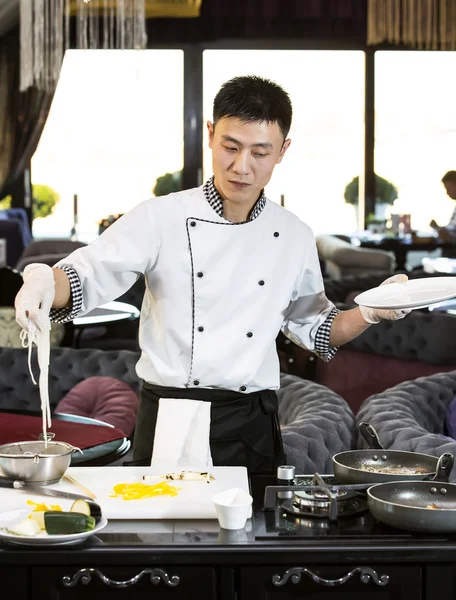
x: 375, y: 315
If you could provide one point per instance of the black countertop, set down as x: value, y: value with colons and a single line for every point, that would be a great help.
x: 268, y: 536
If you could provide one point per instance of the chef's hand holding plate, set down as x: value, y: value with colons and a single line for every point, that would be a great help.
x: 375, y: 315
x: 34, y: 300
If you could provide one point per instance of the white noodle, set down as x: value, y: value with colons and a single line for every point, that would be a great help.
x: 42, y: 340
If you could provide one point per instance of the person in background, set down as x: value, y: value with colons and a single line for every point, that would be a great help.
x: 447, y: 233
x: 449, y: 183
x: 226, y: 269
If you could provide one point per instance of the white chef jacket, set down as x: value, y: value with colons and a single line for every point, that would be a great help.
x: 217, y: 292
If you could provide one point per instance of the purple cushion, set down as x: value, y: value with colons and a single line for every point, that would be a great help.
x: 451, y: 419
x: 103, y: 398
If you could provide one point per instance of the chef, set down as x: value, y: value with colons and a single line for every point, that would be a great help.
x: 225, y: 269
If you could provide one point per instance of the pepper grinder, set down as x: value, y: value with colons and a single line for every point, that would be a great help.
x: 285, y: 476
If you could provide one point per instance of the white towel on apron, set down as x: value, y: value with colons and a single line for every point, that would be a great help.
x: 182, y: 434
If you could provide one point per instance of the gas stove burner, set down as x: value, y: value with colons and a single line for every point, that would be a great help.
x: 321, y: 508
x: 319, y: 497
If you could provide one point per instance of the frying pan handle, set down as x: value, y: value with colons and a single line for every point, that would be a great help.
x: 370, y: 436
x: 444, y: 466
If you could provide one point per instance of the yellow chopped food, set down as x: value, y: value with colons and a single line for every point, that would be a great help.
x: 43, y: 507
x: 137, y: 491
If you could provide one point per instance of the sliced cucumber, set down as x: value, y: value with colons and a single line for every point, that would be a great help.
x: 58, y: 523
x: 81, y: 506
x: 86, y: 507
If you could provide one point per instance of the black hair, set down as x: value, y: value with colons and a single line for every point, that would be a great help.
x: 254, y: 99
x: 450, y: 176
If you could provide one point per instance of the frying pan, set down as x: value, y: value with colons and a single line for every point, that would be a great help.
x: 402, y: 504
x: 348, y: 465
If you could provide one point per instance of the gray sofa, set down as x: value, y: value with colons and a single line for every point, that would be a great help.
x: 316, y: 422
x: 412, y: 415
x: 68, y: 367
x: 386, y: 354
x: 341, y: 258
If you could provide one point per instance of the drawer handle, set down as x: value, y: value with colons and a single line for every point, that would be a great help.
x: 366, y: 574
x: 155, y: 575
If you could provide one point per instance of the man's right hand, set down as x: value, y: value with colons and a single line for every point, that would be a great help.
x: 34, y: 300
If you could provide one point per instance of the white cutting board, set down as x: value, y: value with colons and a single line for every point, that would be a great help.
x: 194, y: 501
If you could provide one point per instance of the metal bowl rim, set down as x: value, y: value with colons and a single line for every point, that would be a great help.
x: 70, y: 450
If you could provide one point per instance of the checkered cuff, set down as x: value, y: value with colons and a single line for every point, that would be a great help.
x: 68, y: 313
x: 322, y: 349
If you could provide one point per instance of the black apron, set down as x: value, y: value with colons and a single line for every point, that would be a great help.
x: 244, y: 431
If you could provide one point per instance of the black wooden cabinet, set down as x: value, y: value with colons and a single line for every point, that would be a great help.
x: 13, y: 583
x: 440, y: 582
x: 125, y: 583
x: 234, y: 580
x: 322, y: 582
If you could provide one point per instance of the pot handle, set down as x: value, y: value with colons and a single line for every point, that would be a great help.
x: 443, y: 468
x: 71, y: 447
x: 370, y: 436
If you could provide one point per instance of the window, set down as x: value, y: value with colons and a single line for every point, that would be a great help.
x: 416, y: 130
x: 327, y: 149
x: 115, y: 125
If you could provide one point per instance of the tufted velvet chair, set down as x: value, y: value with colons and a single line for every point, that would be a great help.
x: 411, y: 416
x: 316, y: 424
x: 67, y: 368
x: 384, y: 355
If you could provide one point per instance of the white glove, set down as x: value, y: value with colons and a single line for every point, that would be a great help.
x: 375, y: 315
x: 34, y: 300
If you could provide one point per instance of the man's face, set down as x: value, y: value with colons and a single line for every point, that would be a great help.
x: 450, y: 187
x: 244, y: 156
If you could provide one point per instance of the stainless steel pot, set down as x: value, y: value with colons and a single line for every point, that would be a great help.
x: 34, y: 462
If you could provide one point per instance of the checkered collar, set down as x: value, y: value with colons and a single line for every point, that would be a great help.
x: 216, y: 201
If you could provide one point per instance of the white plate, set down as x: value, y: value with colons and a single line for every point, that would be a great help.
x: 415, y: 293
x: 10, y: 518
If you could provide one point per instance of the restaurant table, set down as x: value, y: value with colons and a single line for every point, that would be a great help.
x: 112, y: 444
x: 401, y: 246
x: 439, y: 265
x: 102, y: 315
x: 448, y: 306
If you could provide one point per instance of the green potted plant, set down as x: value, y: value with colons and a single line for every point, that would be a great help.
x: 44, y: 200
x: 385, y: 191
x: 168, y: 183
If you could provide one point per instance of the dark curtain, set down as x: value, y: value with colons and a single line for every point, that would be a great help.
x: 23, y: 114
x: 340, y: 20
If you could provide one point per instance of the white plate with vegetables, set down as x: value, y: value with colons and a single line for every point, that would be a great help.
x: 43, y: 525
